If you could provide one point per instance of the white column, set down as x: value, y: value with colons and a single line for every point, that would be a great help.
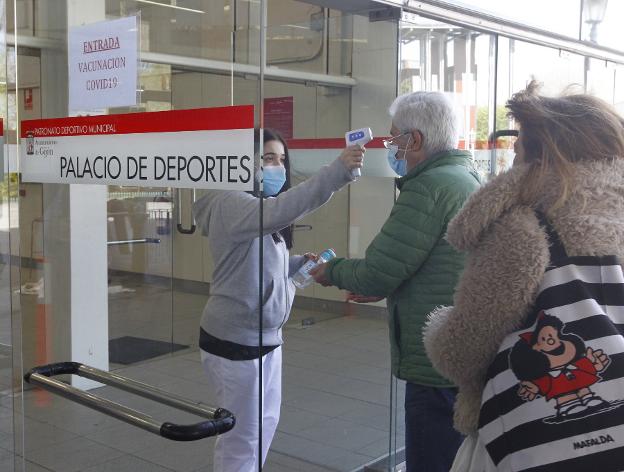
x: 75, y: 236
x: 89, y: 259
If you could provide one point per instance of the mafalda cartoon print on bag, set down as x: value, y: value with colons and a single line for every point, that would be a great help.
x: 559, y: 366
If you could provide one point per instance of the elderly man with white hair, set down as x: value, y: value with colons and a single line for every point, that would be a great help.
x: 410, y: 263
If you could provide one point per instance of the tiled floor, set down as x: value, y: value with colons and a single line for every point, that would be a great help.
x: 336, y: 400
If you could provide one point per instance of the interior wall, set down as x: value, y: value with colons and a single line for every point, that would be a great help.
x: 318, y: 112
x: 330, y: 229
x: 300, y: 36
x: 31, y: 231
x: 296, y: 36
x: 375, y: 66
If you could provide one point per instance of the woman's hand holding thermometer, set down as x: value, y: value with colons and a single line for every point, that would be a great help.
x: 360, y: 137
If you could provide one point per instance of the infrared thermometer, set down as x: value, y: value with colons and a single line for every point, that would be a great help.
x: 360, y: 136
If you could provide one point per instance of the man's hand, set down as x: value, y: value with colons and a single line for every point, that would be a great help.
x: 357, y: 298
x: 319, y: 275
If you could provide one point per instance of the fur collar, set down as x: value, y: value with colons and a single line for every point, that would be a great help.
x: 597, y: 186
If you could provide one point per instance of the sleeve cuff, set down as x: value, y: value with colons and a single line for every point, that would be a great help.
x: 329, y: 270
x: 340, y: 173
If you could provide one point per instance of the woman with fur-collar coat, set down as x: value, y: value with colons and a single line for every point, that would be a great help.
x: 570, y: 165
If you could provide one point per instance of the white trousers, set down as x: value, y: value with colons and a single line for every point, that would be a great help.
x: 236, y: 386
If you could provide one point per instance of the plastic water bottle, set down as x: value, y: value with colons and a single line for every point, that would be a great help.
x: 303, y: 278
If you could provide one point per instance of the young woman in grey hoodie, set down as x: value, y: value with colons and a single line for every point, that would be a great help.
x: 229, y: 333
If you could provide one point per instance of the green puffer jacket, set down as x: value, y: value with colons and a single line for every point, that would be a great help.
x: 410, y: 262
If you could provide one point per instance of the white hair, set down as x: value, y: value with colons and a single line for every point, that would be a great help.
x: 431, y: 113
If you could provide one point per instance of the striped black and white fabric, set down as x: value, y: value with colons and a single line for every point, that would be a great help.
x: 554, y: 398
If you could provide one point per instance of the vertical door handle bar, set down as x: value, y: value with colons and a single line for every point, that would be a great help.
x: 180, y: 226
x: 492, y: 145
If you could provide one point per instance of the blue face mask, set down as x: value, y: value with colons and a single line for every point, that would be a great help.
x: 274, y: 178
x: 399, y: 166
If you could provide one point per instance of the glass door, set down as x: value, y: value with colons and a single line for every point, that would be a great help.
x: 440, y: 57
x: 435, y: 56
x: 8, y: 268
x: 337, y: 398
x: 106, y: 278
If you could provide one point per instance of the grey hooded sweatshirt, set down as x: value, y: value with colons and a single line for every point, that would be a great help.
x: 230, y: 219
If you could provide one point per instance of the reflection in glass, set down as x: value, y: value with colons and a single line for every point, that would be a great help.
x: 618, y: 94
x: 10, y: 426
x: 536, y: 13
x: 601, y: 77
x: 440, y: 57
x: 593, y: 14
x: 602, y: 22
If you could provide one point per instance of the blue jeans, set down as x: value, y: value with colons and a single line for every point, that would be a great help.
x: 430, y: 440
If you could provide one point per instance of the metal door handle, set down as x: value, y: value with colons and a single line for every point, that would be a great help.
x: 180, y: 226
x: 182, y: 230
x: 302, y: 227
x: 134, y: 241
x: 219, y: 420
x: 492, y: 145
x: 500, y: 133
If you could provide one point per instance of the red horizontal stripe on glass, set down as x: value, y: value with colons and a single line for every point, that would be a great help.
x: 329, y: 143
x: 197, y: 119
x: 339, y: 143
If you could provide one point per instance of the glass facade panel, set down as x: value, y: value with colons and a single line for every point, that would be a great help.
x: 98, y: 262
x: 306, y: 37
x: 435, y: 56
x: 441, y: 57
x: 520, y: 62
x: 602, y: 22
x: 336, y: 402
x: 118, y: 276
x: 157, y: 273
x: 197, y: 28
x: 601, y: 76
x: 9, y: 304
x: 555, y: 69
x: 618, y: 96
x: 558, y: 16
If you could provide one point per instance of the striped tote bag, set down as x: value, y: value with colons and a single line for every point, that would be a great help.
x: 554, y: 397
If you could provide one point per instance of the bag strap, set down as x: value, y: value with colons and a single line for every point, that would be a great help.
x: 556, y: 248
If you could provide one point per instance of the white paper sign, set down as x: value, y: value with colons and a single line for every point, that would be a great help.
x: 103, y: 64
x: 210, y: 148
